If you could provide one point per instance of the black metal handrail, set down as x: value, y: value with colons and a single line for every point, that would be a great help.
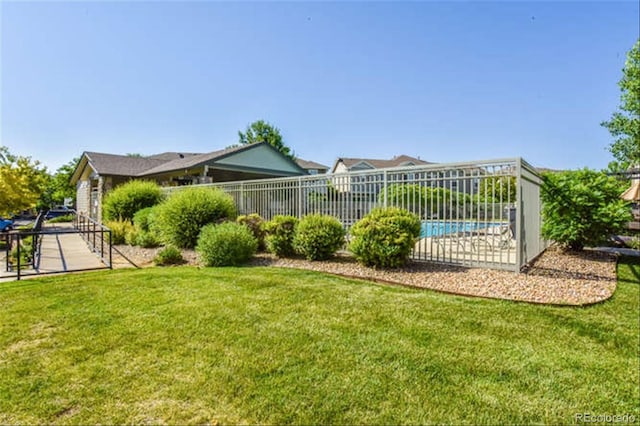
x: 89, y: 228
x: 97, y: 236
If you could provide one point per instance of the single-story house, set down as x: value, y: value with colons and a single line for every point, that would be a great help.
x: 98, y: 173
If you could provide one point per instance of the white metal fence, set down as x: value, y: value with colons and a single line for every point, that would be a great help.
x: 484, y: 213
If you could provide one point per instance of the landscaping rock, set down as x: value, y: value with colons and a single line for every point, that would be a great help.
x: 556, y: 277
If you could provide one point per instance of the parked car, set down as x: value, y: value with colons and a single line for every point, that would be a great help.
x: 5, y: 225
x: 24, y: 215
x: 58, y: 211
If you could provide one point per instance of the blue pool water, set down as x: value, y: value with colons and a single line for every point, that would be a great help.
x: 435, y: 228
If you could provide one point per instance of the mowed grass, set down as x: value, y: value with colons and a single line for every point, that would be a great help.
x: 274, y: 346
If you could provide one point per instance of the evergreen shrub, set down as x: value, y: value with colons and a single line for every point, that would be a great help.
x: 279, y: 235
x: 226, y: 244
x: 318, y: 237
x: 385, y: 237
x: 180, y: 218
x: 125, y: 200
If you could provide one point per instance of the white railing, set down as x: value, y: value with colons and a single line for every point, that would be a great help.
x: 483, y: 213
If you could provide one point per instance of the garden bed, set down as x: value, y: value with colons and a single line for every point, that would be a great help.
x: 556, y: 277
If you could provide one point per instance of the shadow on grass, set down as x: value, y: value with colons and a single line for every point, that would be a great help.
x: 629, y: 270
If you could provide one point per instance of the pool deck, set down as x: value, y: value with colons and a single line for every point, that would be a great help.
x: 467, y: 249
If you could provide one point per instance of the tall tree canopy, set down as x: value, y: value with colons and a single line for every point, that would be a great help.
x: 262, y: 131
x: 59, y: 186
x: 624, y: 125
x: 22, y: 182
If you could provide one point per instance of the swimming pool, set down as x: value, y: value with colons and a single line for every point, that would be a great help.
x: 436, y: 228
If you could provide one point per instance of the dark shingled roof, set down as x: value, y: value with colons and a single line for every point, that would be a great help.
x: 120, y: 165
x: 168, y: 156
x: 192, y: 160
x: 310, y: 164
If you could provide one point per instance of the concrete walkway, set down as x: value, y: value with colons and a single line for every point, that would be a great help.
x: 62, y: 252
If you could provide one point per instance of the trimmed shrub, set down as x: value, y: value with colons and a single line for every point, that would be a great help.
x: 143, y: 218
x: 143, y: 233
x: 181, y: 217
x: 280, y: 232
x: 147, y: 240
x: 582, y: 208
x: 256, y: 224
x: 318, y: 237
x: 119, y: 230
x: 131, y: 237
x: 125, y: 200
x: 227, y: 244
x: 385, y: 237
x: 137, y: 237
x: 169, y: 255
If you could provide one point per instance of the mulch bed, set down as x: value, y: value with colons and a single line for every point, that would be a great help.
x: 556, y: 277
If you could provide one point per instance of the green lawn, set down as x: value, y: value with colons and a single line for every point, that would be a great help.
x: 268, y: 345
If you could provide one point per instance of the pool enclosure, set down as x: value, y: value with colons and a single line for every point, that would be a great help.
x: 482, y: 213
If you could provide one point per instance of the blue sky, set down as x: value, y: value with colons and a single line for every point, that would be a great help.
x: 445, y: 81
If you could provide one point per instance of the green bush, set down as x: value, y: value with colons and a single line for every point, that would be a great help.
x: 147, y: 240
x: 26, y: 253
x: 131, y: 237
x: 227, y: 244
x: 582, y: 208
x: 318, y: 237
x: 143, y: 233
x: 433, y: 202
x: 279, y: 235
x: 256, y: 224
x: 143, y: 218
x: 385, y: 237
x: 125, y: 200
x: 119, y: 230
x: 62, y: 219
x: 180, y: 218
x: 169, y: 255
x: 137, y: 237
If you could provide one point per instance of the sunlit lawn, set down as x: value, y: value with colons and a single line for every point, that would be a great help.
x: 261, y: 345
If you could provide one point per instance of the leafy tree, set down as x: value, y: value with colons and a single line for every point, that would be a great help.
x: 421, y: 199
x: 262, y: 131
x: 582, y: 208
x: 59, y: 185
x: 22, y: 182
x: 624, y: 125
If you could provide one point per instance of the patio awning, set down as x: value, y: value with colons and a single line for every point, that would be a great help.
x: 633, y: 193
